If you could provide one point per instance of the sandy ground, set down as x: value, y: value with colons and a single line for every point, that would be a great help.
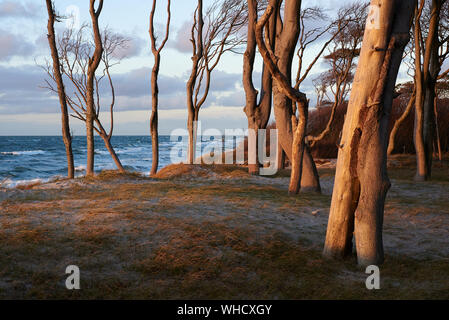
x: 121, y: 220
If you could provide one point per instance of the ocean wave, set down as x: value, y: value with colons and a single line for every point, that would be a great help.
x: 21, y: 153
x: 80, y: 168
x: 8, y: 183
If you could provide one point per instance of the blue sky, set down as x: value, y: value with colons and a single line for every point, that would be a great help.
x: 27, y: 109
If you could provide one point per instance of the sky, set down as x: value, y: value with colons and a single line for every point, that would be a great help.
x: 28, y: 109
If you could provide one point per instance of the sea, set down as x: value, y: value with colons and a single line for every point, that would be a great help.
x: 30, y: 159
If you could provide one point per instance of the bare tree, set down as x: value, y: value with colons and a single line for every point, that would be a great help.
x: 341, y: 59
x: 75, y: 56
x: 154, y: 87
x: 361, y: 180
x: 223, y: 21
x: 56, y: 72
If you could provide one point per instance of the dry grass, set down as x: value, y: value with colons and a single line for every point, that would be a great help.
x: 210, y: 232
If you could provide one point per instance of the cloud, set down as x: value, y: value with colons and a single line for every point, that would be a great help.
x: 182, y: 40
x: 14, y: 45
x: 16, y: 9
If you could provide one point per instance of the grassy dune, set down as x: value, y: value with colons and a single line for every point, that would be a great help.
x: 213, y: 232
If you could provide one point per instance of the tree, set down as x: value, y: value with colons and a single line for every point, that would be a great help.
x: 428, y: 62
x: 361, y: 180
x: 56, y: 72
x: 94, y: 62
x: 258, y: 113
x: 341, y: 60
x: 75, y: 59
x: 223, y: 21
x: 154, y: 87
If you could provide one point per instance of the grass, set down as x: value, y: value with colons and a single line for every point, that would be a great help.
x: 209, y: 232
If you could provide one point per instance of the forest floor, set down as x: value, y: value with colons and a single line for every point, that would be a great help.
x: 214, y: 232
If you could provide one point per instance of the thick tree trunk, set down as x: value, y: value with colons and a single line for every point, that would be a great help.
x: 258, y: 114
x: 361, y: 181
x: 66, y: 136
x: 298, y: 148
x: 286, y: 39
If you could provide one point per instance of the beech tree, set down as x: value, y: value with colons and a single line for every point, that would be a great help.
x: 57, y: 75
x: 361, y: 180
x: 212, y: 36
x: 257, y: 112
x: 156, y: 50
x: 430, y: 53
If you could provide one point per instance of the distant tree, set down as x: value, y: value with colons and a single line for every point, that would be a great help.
x: 342, y: 56
x: 431, y: 49
x: 212, y: 35
x: 57, y: 75
x: 156, y: 50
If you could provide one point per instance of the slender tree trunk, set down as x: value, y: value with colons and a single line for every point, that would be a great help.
x: 154, y: 87
x: 437, y: 130
x: 197, y: 55
x: 111, y: 150
x: 154, y: 113
x: 94, y: 62
x: 397, y: 124
x: 66, y: 136
x: 361, y: 180
x: 426, y: 75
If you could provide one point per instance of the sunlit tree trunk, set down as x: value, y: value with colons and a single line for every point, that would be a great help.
x: 361, y: 180
x: 66, y: 136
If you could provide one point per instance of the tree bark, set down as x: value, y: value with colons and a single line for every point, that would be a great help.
x: 94, y: 62
x: 361, y: 180
x: 66, y: 136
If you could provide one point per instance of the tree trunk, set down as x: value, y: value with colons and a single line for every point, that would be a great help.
x: 258, y: 114
x: 286, y: 39
x: 298, y: 148
x: 94, y: 62
x: 197, y: 55
x: 426, y: 78
x: 361, y: 180
x: 110, y: 148
x: 66, y: 136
